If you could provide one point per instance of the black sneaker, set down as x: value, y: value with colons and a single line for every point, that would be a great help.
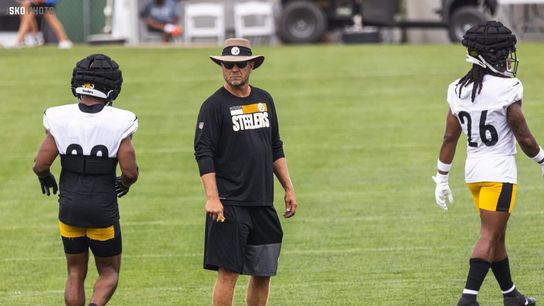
x: 519, y: 300
x: 464, y: 301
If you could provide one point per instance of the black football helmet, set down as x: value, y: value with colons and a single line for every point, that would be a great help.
x: 97, y: 75
x: 492, y: 45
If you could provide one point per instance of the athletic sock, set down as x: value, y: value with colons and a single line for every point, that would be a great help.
x: 512, y: 292
x: 476, y: 275
x: 501, y: 270
x: 468, y: 297
x: 93, y: 304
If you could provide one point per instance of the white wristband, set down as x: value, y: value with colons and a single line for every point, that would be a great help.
x: 539, y: 158
x: 441, y: 178
x: 442, y: 167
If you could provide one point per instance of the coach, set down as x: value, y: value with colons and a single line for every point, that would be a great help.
x: 238, y: 148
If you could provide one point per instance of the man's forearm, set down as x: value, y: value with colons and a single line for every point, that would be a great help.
x: 41, y: 170
x: 46, y: 156
x: 154, y: 23
x: 130, y: 176
x: 210, y: 185
x: 282, y: 173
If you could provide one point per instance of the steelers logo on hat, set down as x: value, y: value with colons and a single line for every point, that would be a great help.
x: 237, y: 50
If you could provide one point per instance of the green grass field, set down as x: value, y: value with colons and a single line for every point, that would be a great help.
x: 361, y: 125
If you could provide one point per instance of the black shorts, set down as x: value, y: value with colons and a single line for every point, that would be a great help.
x: 248, y: 242
x: 103, y: 242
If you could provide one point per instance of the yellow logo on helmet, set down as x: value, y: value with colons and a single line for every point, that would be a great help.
x: 89, y: 85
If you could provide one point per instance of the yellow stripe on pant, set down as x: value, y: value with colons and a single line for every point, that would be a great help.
x: 100, y: 234
x: 493, y: 196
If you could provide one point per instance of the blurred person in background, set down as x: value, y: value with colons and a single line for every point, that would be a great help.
x: 46, y: 8
x: 28, y: 24
x: 162, y: 16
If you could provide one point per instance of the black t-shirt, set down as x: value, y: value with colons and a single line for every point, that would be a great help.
x: 238, y: 139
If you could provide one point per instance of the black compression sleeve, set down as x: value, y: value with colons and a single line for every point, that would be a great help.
x: 205, y: 165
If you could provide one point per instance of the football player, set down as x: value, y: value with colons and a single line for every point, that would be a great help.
x: 91, y: 137
x: 485, y: 105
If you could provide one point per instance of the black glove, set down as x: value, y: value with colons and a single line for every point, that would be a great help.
x: 120, y: 188
x: 47, y: 182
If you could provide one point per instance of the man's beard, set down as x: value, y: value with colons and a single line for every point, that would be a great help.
x: 238, y: 83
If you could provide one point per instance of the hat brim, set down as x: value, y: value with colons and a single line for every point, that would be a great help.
x: 257, y: 59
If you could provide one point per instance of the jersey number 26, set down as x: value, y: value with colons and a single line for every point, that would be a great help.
x: 485, y: 129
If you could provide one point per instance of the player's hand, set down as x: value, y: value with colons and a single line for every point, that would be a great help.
x: 120, y: 188
x: 442, y: 191
x: 214, y: 209
x: 48, y: 181
x: 290, y: 203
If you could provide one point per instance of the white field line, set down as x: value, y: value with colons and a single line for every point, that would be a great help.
x: 342, y: 219
x: 290, y: 252
x: 206, y: 288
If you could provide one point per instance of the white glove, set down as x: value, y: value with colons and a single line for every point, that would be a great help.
x: 169, y: 28
x: 442, y: 190
x: 539, y: 159
x: 172, y: 29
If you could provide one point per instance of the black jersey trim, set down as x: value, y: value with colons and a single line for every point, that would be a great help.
x: 91, y: 109
x: 88, y: 164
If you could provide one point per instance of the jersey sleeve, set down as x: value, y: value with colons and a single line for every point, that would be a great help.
x: 128, y: 126
x: 207, y: 137
x: 277, y: 144
x: 49, y: 123
x: 513, y: 93
x: 131, y: 128
x: 54, y: 124
x: 452, y: 97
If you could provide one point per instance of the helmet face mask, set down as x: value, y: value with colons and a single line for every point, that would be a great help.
x: 507, y: 68
x: 97, y: 75
x: 512, y: 63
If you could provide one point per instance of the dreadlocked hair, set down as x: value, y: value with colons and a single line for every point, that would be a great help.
x: 492, y: 41
x: 475, y: 75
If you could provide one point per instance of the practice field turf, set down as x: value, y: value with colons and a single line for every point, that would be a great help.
x: 361, y: 125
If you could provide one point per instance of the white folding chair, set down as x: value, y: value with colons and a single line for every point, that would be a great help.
x: 254, y: 19
x: 204, y: 20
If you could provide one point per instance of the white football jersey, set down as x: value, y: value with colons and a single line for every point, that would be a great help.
x: 491, y: 145
x: 89, y: 133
